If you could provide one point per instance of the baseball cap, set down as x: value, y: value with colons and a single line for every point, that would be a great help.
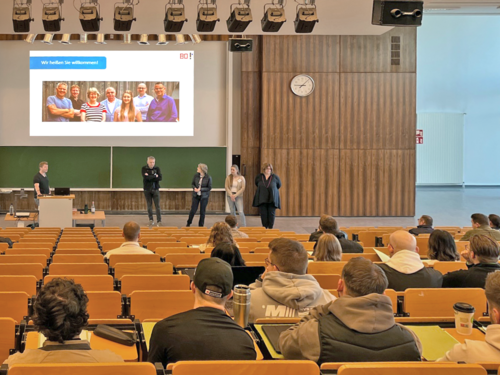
x: 216, y: 272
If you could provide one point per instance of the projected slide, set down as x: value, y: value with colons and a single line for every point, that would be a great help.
x: 109, y: 93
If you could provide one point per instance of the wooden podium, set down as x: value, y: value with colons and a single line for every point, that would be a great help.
x: 56, y: 211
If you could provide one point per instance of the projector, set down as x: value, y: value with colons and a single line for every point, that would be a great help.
x: 397, y: 13
x: 239, y: 19
x: 273, y: 19
x: 174, y: 19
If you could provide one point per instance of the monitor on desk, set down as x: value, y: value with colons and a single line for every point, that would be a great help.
x: 61, y: 191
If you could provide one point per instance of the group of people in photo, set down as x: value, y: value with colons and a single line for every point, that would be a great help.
x: 139, y: 108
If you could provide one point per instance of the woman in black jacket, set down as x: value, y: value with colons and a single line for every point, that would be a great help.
x: 267, y: 196
x: 202, y: 184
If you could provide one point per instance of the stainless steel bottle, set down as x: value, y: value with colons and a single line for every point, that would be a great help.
x: 241, y: 304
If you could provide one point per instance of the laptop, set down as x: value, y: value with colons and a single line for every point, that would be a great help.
x: 61, y: 191
x: 241, y: 275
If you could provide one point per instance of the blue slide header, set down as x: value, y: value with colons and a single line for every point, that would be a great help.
x: 67, y: 62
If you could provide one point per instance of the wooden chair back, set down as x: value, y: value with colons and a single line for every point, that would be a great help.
x: 7, y: 337
x: 78, y: 269
x: 194, y: 240
x: 90, y: 283
x: 19, y: 283
x: 142, y: 368
x: 77, y: 245
x: 27, y: 245
x: 438, y: 302
x: 167, y: 244
x: 131, y: 283
x: 410, y: 368
x: 423, y: 246
x: 309, y: 246
x: 44, y: 252
x: 163, y: 251
x: 189, y: 260
x: 146, y: 240
x: 445, y: 267
x: 26, y: 269
x: 78, y: 252
x: 24, y: 258
x: 122, y: 269
x: 160, y: 304
x: 77, y: 258
x: 14, y: 305
x: 52, y: 241
x: 327, y: 281
x: 332, y: 268
x: 104, y: 305
x: 370, y: 256
x: 246, y: 367
x: 133, y: 258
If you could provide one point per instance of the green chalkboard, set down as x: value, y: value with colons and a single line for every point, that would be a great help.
x: 177, y: 164
x: 74, y: 167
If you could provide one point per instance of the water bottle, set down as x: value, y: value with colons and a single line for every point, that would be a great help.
x: 241, y: 305
x: 86, y: 209
x: 11, y: 210
x: 92, y: 208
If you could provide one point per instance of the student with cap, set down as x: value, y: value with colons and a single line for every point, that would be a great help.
x: 206, y: 332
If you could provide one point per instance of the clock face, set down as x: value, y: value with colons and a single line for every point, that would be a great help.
x: 302, y: 85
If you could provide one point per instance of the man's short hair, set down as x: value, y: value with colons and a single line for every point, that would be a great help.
x: 495, y: 220
x: 427, y: 220
x: 480, y: 219
x: 61, y: 83
x: 328, y: 224
x: 485, y: 248
x: 289, y: 256
x: 61, y: 310
x: 75, y: 86
x: 492, y: 289
x: 131, y: 231
x: 151, y: 158
x: 231, y: 221
x: 42, y: 163
x: 362, y: 277
x: 112, y: 88
x: 94, y: 90
x: 159, y: 83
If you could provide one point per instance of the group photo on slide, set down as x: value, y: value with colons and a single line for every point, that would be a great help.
x: 103, y: 101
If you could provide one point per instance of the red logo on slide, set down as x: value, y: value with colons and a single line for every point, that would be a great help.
x: 184, y: 56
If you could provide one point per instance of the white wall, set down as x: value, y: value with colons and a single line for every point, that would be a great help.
x: 209, y: 97
x: 458, y: 71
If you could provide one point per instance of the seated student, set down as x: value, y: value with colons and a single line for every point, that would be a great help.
x: 405, y: 269
x: 228, y: 253
x: 61, y: 315
x: 328, y: 249
x: 424, y: 226
x: 442, y: 247
x: 359, y: 326
x: 285, y: 290
x: 131, y: 234
x: 206, y: 332
x: 232, y: 222
x: 480, y: 225
x: 482, y: 258
x: 328, y: 224
x: 473, y: 351
x: 220, y: 232
x: 494, y: 221
x: 314, y: 237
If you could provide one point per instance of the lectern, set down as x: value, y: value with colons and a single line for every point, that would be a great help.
x: 56, y: 211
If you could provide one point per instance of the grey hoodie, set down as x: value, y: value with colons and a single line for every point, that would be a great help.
x: 285, y: 295
x: 367, y: 314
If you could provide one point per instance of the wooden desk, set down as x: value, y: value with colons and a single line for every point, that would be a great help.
x: 128, y: 353
x: 20, y: 220
x: 476, y: 335
x: 98, y: 215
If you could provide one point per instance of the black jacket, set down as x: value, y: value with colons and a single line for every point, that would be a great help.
x: 206, y: 185
x: 267, y: 195
x: 474, y: 277
x: 151, y: 182
x: 423, y: 278
x: 421, y: 229
x: 347, y: 246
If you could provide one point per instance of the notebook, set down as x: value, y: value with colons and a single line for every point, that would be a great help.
x: 273, y: 333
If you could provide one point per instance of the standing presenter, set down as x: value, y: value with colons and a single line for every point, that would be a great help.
x: 41, y: 181
x: 151, y: 177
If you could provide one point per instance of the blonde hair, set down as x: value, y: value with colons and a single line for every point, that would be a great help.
x: 42, y: 163
x: 221, y: 232
x: 203, y: 167
x: 93, y: 89
x: 265, y: 165
x: 131, y: 108
x: 328, y: 249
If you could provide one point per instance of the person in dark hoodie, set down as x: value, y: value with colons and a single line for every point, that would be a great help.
x: 359, y: 326
x: 284, y: 289
x: 327, y: 224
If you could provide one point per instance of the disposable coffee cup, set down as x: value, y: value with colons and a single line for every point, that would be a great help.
x: 464, y: 318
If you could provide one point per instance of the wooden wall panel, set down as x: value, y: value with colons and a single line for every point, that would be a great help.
x: 125, y: 201
x: 309, y: 180
x: 289, y: 121
x: 372, y: 53
x: 378, y: 110
x: 250, y: 109
x: 377, y: 182
x: 252, y: 61
x: 301, y: 53
x: 250, y: 169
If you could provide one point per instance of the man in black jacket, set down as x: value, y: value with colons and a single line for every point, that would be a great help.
x: 481, y: 257
x: 151, y: 177
x: 328, y: 224
x: 424, y: 226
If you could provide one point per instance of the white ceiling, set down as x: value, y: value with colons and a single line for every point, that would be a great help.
x: 336, y: 17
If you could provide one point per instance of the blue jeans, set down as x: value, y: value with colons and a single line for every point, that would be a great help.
x: 237, y: 205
